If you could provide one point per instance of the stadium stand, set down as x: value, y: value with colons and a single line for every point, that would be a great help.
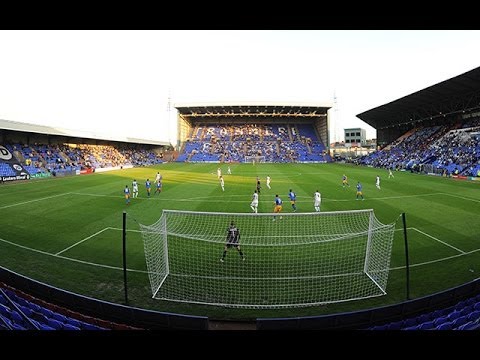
x: 61, y: 309
x: 465, y: 315
x: 434, y: 130
x: 438, y: 149
x: 276, y: 142
x: 19, y: 311
x: 64, y: 159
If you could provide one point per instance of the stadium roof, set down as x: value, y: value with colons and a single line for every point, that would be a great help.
x: 458, y: 94
x: 274, y: 109
x: 48, y: 130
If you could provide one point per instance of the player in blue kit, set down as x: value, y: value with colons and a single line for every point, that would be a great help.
x: 293, y: 199
x: 148, y: 186
x: 126, y: 191
x: 359, y: 191
x: 278, y: 207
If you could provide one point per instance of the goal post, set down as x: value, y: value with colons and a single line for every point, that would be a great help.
x: 254, y: 159
x: 302, y: 259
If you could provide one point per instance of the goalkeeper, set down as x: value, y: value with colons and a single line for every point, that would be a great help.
x: 233, y: 240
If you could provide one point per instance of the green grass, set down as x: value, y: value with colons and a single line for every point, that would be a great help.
x: 67, y: 231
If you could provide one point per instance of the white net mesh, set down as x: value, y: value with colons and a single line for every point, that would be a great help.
x: 299, y: 260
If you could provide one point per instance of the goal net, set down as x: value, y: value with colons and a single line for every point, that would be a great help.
x: 255, y: 159
x: 301, y: 259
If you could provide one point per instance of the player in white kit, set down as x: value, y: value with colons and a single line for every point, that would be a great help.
x: 135, y: 188
x: 254, y: 203
x: 317, y: 199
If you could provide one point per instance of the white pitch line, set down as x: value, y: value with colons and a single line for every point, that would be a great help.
x: 99, y: 195
x: 440, y: 241
x: 461, y: 197
x: 81, y: 241
x: 71, y: 259
x: 111, y: 228
x: 437, y: 260
x: 34, y: 200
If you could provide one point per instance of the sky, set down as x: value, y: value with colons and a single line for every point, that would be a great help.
x: 120, y: 82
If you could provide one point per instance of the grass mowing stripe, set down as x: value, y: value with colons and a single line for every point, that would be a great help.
x: 461, y: 197
x: 34, y: 200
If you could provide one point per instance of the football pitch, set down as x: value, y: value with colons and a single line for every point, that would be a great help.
x: 67, y: 232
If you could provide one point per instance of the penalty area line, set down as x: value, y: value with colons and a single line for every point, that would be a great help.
x: 436, y: 239
x: 81, y: 241
x: 440, y: 241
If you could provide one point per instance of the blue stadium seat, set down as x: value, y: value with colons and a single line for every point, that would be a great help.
x: 5, y: 310
x: 44, y: 327
x: 460, y: 321
x: 73, y: 322
x: 70, y: 327
x: 18, y: 327
x: 54, y: 324
x: 34, y: 307
x: 427, y: 326
x: 466, y: 310
x: 445, y: 326
x: 6, y: 320
x: 28, y: 312
x: 47, y: 312
x: 21, y: 301
x: 441, y: 320
x: 59, y: 317
x: 17, y: 318
x: 467, y: 326
x: 11, y: 294
x: 475, y: 315
x: 454, y: 315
